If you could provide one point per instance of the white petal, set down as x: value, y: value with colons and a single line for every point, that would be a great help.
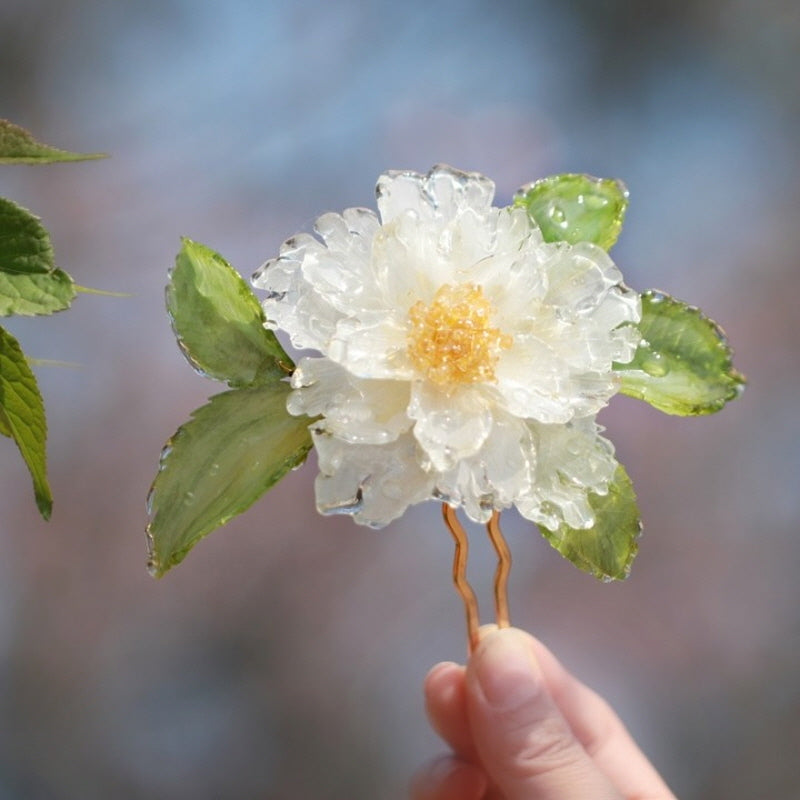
x: 398, y: 192
x: 627, y: 339
x: 373, y: 345
x: 596, y: 339
x: 408, y: 263
x: 571, y: 461
x: 342, y: 273
x: 441, y: 194
x: 591, y: 392
x: 373, y: 483
x: 467, y: 244
x: 564, y: 374
x: 511, y: 276
x: 534, y: 381
x: 453, y: 191
x: 356, y: 411
x: 620, y: 305
x: 579, y: 277
x: 449, y: 427
x: 560, y: 364
x: 292, y: 304
x: 319, y: 383
x: 495, y: 476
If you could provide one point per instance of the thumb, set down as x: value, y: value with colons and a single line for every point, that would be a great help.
x: 523, y: 741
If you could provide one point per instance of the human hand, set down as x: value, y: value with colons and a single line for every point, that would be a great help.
x: 523, y: 728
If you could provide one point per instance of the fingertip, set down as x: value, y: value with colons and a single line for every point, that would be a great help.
x: 440, y: 670
x: 491, y: 633
x: 443, y: 686
x: 446, y: 707
x: 449, y: 778
x: 506, y: 669
x: 486, y: 629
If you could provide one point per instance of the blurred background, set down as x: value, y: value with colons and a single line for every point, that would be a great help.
x: 285, y: 657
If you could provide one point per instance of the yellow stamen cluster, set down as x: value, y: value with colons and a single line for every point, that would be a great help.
x: 451, y: 341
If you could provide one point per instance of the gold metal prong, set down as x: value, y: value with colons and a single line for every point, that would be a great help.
x: 503, y: 569
x: 460, y: 575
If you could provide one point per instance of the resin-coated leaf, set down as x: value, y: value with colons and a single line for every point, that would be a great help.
x: 607, y: 549
x: 17, y: 146
x: 576, y: 208
x: 232, y: 450
x: 684, y: 364
x: 218, y: 321
x: 22, y: 416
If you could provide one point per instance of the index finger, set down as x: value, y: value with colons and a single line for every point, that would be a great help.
x: 446, y: 705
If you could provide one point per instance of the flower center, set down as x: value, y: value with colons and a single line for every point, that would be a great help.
x: 451, y: 341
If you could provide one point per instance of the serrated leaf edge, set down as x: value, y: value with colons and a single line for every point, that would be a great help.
x: 41, y: 486
x: 519, y: 200
x: 586, y: 566
x: 286, y: 367
x: 154, y: 567
x: 53, y: 155
x: 737, y: 381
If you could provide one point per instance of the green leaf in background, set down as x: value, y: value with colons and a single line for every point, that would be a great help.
x: 576, y: 208
x: 17, y: 146
x: 232, y: 450
x: 218, y: 321
x: 35, y: 294
x: 684, y: 364
x: 22, y: 416
x: 25, y: 246
x: 607, y: 549
x: 29, y: 281
x: 30, y: 284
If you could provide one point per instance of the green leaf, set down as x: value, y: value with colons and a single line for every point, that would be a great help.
x: 684, y: 364
x: 607, y: 549
x: 220, y: 462
x: 17, y: 146
x: 35, y: 294
x: 576, y: 208
x: 25, y: 246
x: 219, y: 322
x: 22, y: 416
x: 29, y: 281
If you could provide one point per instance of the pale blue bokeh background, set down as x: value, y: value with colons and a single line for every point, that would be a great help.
x: 284, y: 659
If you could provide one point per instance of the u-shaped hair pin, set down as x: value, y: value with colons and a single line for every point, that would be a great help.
x: 460, y: 573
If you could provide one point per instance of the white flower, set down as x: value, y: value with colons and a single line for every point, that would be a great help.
x: 461, y: 357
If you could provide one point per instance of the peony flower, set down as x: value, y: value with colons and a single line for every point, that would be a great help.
x: 460, y: 357
x: 451, y: 350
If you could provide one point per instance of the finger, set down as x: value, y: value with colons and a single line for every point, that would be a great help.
x: 523, y: 741
x: 446, y: 705
x: 601, y: 732
x: 449, y: 778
